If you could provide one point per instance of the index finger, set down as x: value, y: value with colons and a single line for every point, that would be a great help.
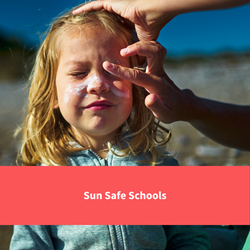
x: 151, y: 83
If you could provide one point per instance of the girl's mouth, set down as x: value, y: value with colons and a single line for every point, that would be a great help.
x: 99, y: 105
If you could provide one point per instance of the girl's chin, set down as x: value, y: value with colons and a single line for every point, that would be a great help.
x: 96, y: 133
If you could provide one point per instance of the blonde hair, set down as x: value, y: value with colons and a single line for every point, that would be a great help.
x: 46, y: 135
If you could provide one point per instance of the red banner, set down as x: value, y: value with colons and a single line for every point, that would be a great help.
x: 202, y: 195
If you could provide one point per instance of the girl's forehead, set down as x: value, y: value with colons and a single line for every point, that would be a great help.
x: 87, y: 33
x: 70, y: 38
x: 73, y: 30
x: 91, y: 44
x: 90, y: 35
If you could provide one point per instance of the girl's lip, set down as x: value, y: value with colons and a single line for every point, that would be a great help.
x: 99, y: 105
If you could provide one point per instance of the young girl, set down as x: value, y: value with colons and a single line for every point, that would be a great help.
x: 79, y: 114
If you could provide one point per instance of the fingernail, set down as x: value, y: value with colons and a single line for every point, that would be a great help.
x: 125, y: 51
x: 108, y: 65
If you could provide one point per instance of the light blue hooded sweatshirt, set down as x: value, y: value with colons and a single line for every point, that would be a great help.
x: 104, y: 237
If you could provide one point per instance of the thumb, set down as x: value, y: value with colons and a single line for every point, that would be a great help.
x: 145, y: 34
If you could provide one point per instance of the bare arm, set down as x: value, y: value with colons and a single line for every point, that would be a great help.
x: 227, y: 124
x: 182, y: 6
x: 150, y: 17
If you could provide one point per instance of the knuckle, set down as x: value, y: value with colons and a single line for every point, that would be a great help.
x: 158, y: 49
x: 120, y: 71
x: 134, y: 73
x: 138, y: 47
x: 164, y: 51
x: 188, y: 91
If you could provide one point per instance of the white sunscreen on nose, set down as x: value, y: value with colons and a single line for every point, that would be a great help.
x: 92, y: 82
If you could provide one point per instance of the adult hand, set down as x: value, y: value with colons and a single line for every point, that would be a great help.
x: 147, y: 16
x: 167, y: 102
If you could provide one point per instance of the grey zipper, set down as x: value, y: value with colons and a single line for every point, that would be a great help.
x: 119, y: 237
x: 116, y: 236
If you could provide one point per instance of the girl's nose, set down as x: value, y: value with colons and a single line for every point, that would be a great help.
x: 97, y: 84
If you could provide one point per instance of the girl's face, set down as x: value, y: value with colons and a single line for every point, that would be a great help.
x: 94, y: 102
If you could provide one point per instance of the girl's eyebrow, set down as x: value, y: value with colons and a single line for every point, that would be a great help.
x: 76, y: 62
x: 116, y: 62
x: 73, y: 62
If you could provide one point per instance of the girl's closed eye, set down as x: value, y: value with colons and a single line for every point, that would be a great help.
x: 79, y: 74
x: 111, y: 76
x: 107, y: 73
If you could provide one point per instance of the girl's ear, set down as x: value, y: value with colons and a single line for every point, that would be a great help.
x: 56, y: 105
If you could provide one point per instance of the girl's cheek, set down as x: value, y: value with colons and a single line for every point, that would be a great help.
x: 122, y: 90
x: 125, y: 93
x: 72, y: 91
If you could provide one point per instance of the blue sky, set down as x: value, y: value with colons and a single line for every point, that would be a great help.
x: 200, y: 32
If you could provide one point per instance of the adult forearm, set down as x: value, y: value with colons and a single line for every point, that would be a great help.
x: 226, y: 124
x: 184, y: 6
x: 165, y: 10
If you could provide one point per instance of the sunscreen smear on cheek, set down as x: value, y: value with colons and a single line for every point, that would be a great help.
x: 117, y: 92
x: 74, y: 90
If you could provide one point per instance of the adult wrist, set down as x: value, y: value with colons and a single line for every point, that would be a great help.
x: 198, y: 111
